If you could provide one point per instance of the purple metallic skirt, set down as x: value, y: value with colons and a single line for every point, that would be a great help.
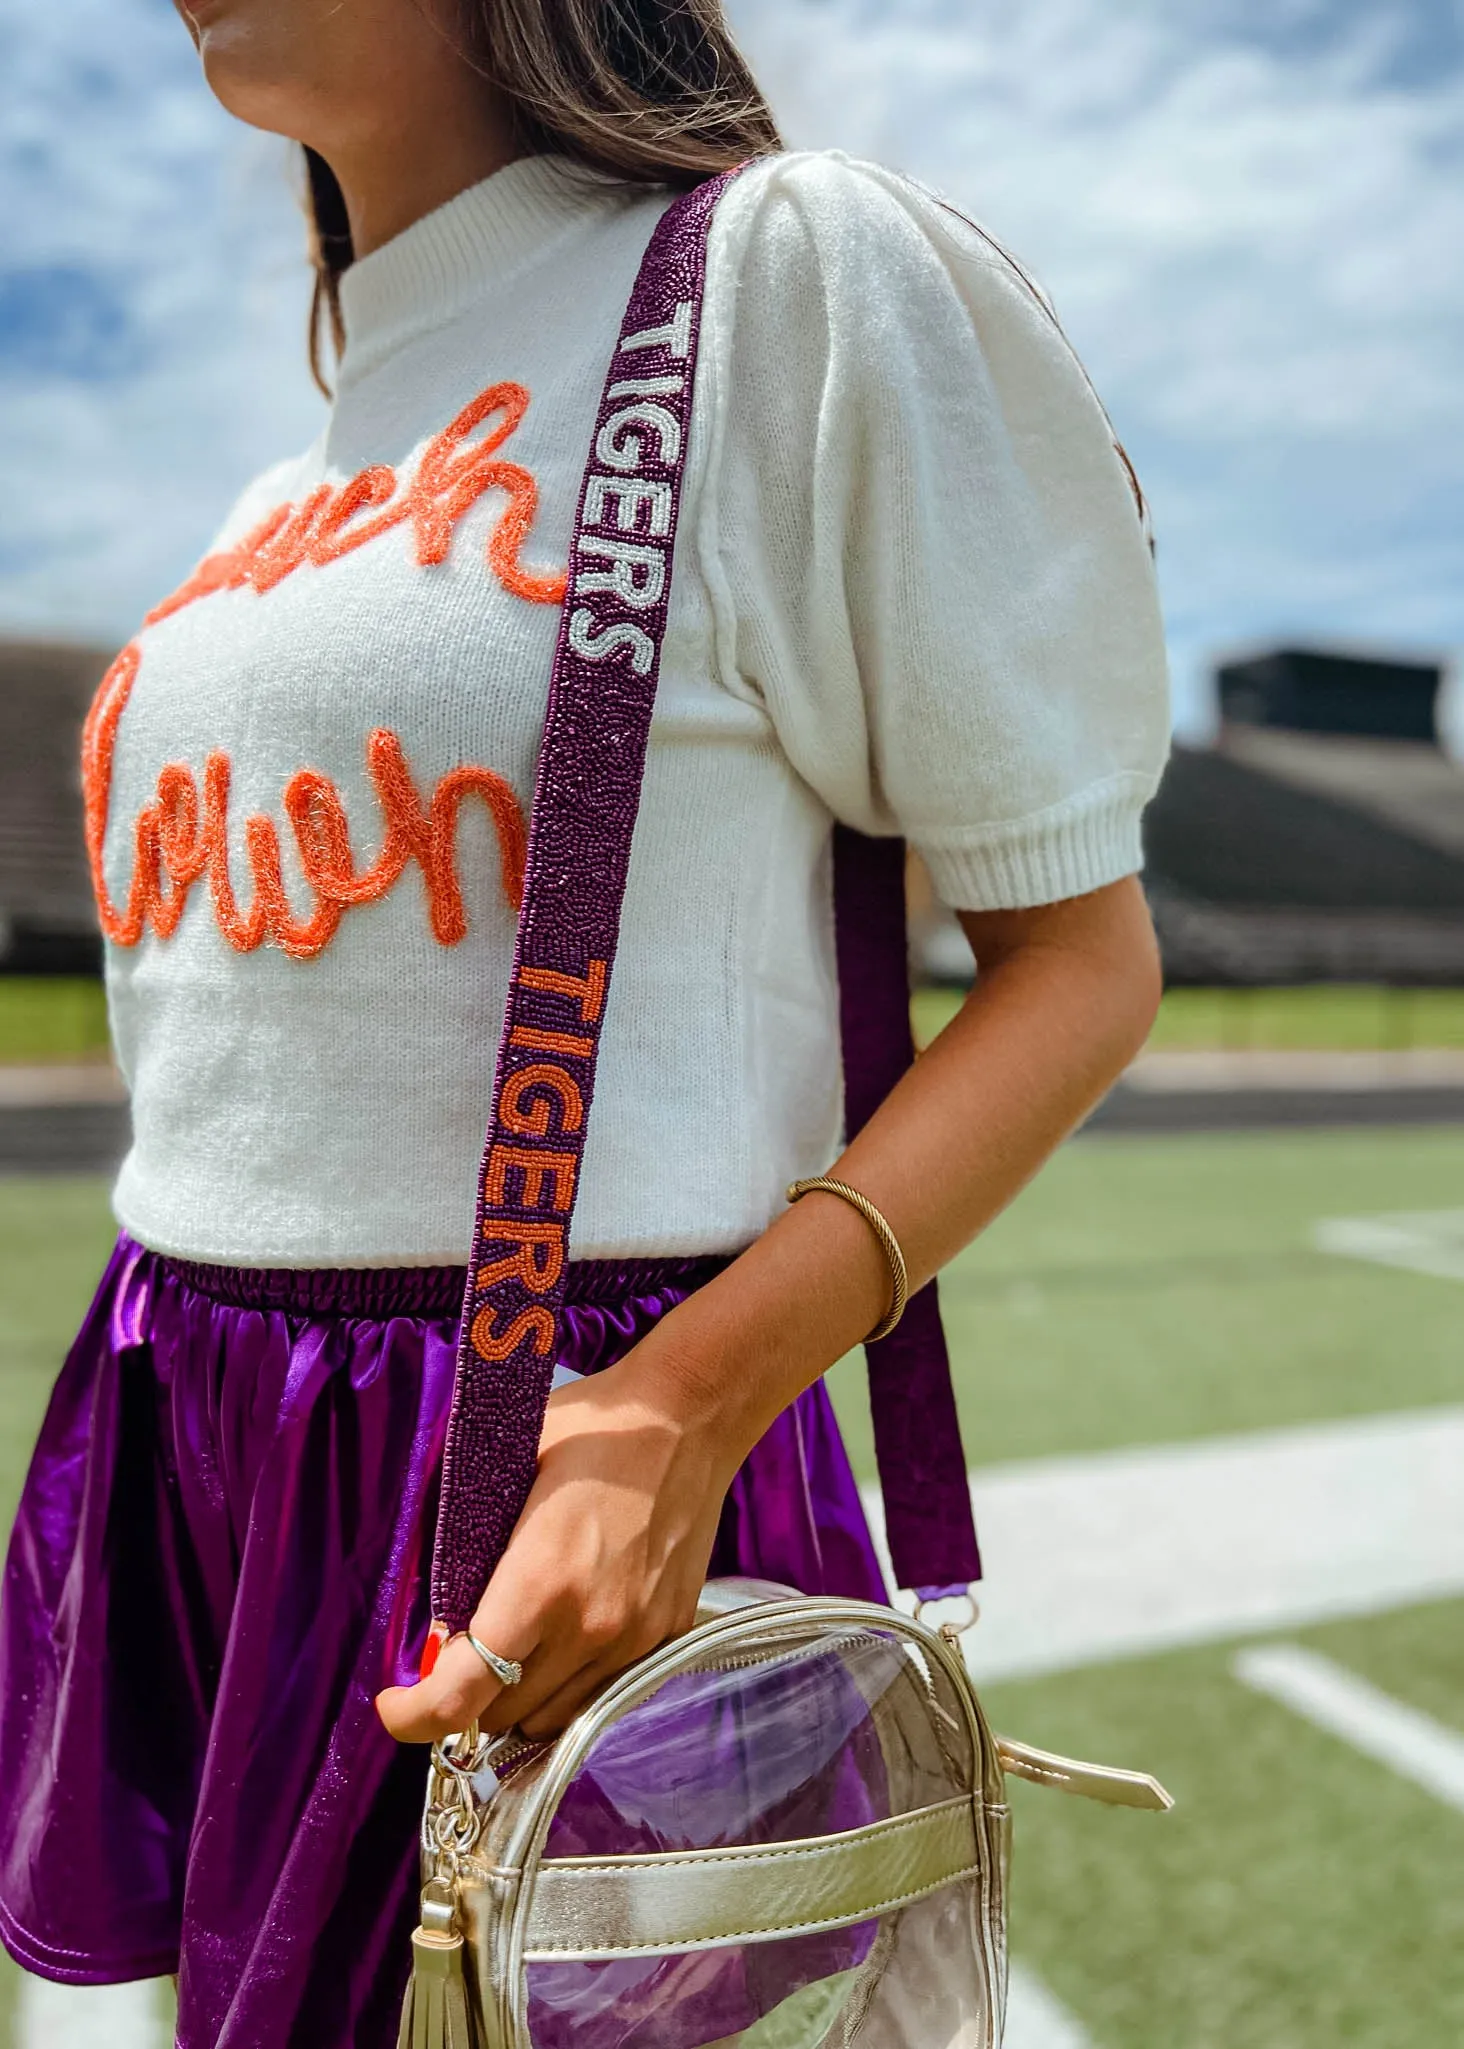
x: 220, y: 1558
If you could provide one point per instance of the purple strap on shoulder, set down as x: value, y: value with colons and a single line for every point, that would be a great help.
x: 917, y: 1438
x: 601, y: 696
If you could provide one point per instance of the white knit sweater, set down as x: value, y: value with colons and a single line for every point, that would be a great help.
x: 911, y: 592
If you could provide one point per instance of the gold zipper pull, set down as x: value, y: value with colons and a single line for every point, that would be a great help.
x: 1088, y: 1781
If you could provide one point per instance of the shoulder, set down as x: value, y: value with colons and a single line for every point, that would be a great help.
x: 820, y: 222
x: 877, y: 290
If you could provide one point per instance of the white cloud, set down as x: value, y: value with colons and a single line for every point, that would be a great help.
x: 175, y: 237
x: 1250, y: 223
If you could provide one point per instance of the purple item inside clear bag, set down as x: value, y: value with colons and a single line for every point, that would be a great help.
x: 777, y: 1752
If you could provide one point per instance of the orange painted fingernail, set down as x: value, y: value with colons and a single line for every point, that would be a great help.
x: 432, y: 1649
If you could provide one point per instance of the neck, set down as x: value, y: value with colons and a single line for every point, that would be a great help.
x: 399, y: 173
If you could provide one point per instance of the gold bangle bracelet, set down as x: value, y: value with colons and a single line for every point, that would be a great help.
x: 889, y: 1243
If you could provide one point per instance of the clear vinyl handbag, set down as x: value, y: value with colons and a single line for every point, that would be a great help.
x: 787, y: 1827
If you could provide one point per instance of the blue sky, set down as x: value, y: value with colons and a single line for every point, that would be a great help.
x: 1250, y: 213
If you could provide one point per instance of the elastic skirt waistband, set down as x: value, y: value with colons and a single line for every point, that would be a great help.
x: 429, y: 1291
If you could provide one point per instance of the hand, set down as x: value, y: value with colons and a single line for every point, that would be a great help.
x: 606, y: 1562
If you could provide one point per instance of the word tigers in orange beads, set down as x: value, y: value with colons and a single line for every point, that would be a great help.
x: 540, y: 1100
x: 336, y: 519
x: 181, y: 839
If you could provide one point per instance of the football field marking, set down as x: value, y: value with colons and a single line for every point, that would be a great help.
x: 1035, y: 2020
x: 1419, y: 1241
x: 90, y: 2016
x: 1403, y: 1738
x: 1124, y: 1553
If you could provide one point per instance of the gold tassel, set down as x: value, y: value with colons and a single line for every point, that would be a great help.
x: 435, y: 2011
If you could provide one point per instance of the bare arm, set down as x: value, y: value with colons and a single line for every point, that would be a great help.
x: 610, y: 1553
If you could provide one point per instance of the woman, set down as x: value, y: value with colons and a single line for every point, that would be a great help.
x: 912, y: 594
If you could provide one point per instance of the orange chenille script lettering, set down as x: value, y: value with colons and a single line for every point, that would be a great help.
x: 98, y: 745
x: 492, y: 1345
x: 587, y: 990
x: 537, y: 1168
x: 177, y: 842
x: 537, y: 1274
x: 532, y: 1120
x: 453, y: 475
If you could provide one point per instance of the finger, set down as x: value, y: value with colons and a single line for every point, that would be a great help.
x: 557, y: 1708
x: 576, y: 1652
x: 459, y: 1689
x: 547, y: 1637
x: 554, y: 1707
x: 560, y: 1707
x: 543, y: 1674
x: 545, y: 1678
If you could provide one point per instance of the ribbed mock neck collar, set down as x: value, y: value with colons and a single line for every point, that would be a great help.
x: 442, y: 262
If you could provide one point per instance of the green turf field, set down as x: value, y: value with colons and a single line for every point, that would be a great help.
x: 1316, y: 1018
x: 1144, y: 1291
x: 1299, y: 1896
x: 55, y: 1017
x: 58, y: 1018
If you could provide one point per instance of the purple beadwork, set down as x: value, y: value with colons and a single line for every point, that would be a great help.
x: 601, y: 696
x: 917, y: 1436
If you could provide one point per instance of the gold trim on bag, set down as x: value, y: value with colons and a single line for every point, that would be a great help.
x: 491, y: 1802
x: 586, y: 1907
x: 1088, y: 1781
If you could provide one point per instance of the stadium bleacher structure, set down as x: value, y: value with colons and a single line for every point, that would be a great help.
x: 1303, y: 849
x: 47, y: 924
x: 1320, y: 839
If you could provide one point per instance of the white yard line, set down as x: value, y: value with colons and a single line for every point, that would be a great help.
x: 1129, y: 1552
x: 90, y: 2016
x: 1035, y: 2020
x: 1403, y: 1738
x: 1171, y: 1070
x: 49, y: 1087
x: 1419, y: 1241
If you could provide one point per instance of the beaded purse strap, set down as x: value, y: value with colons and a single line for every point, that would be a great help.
x: 601, y: 695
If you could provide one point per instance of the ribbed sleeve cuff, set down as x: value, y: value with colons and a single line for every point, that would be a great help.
x: 1081, y: 845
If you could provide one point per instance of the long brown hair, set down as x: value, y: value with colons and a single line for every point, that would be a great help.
x: 654, y: 92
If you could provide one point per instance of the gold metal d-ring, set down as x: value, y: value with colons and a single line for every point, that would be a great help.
x: 951, y: 1631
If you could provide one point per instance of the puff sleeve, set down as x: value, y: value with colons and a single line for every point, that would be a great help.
x: 925, y: 553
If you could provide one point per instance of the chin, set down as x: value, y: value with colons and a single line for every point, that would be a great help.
x: 268, y: 62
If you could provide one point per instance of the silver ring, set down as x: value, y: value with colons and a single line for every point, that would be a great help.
x: 509, y: 1670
